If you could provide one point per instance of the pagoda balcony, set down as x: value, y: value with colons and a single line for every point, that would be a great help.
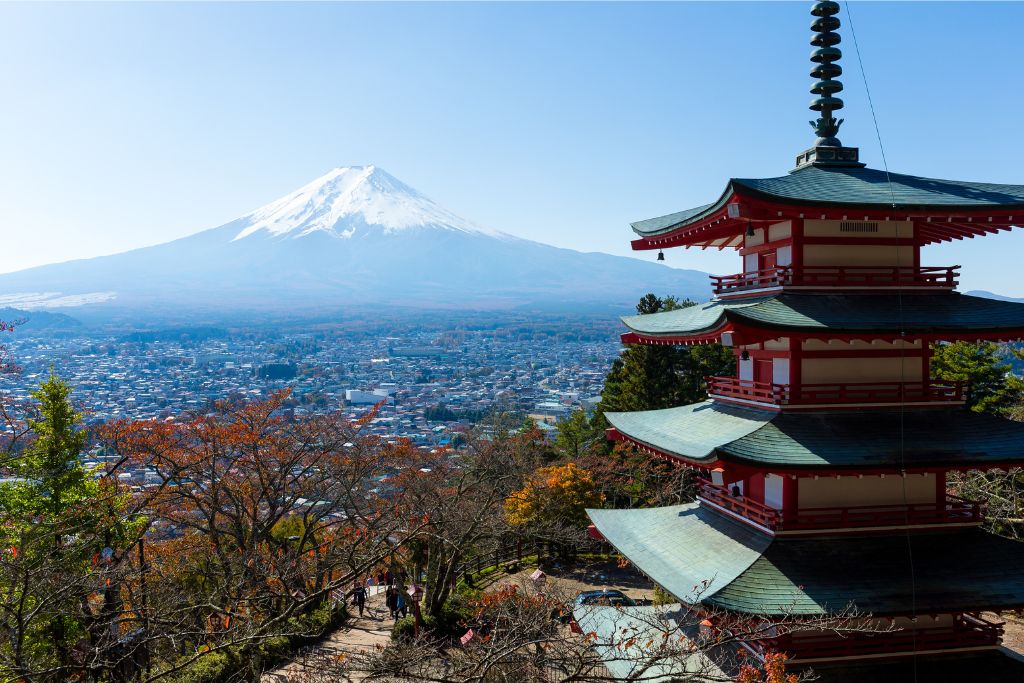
x: 841, y: 277
x: 969, y: 631
x: 838, y: 393
x: 953, y: 510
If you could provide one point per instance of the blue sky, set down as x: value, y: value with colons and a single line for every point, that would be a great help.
x: 124, y: 125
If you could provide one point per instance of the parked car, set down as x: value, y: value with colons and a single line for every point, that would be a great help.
x: 612, y: 598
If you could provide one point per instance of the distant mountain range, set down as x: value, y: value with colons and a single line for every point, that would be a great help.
x: 990, y: 295
x: 355, y: 237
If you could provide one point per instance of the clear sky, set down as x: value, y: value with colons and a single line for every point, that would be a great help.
x: 124, y: 125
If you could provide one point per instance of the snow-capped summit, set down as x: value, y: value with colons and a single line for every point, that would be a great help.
x: 349, y: 198
x: 353, y: 237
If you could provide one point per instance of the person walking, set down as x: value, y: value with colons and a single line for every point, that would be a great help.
x: 400, y: 604
x: 391, y: 600
x: 358, y: 594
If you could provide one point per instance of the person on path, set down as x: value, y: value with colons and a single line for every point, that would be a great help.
x: 358, y: 594
x: 400, y: 604
x: 391, y: 600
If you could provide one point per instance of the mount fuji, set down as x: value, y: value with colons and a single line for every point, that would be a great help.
x: 354, y: 237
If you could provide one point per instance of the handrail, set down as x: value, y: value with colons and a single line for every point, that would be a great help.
x: 838, y: 276
x: 721, y: 497
x: 733, y: 387
x: 953, y: 510
x: 928, y: 391
x: 878, y: 392
x: 966, y: 631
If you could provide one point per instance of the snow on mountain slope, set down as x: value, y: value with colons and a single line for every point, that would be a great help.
x: 345, y: 198
x: 353, y: 237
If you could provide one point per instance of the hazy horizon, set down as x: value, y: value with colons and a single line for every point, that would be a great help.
x: 137, y: 124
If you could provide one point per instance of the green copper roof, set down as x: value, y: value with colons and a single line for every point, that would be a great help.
x: 701, y: 556
x: 691, y: 320
x: 998, y: 666
x: 959, y: 571
x: 621, y: 640
x: 683, y: 546
x: 694, y: 431
x: 857, y: 439
x: 921, y: 313
x: 853, y: 187
x: 653, y: 226
x: 869, y: 186
x: 703, y: 432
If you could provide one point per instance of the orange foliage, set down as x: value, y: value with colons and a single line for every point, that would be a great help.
x: 773, y: 671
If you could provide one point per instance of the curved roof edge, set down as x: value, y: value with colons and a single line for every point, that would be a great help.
x: 848, y: 187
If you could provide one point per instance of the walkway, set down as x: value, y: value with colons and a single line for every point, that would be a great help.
x: 359, y: 633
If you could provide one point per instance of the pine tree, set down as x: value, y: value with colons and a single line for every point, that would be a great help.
x: 650, y: 377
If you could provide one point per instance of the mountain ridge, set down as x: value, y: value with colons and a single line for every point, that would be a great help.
x: 355, y: 236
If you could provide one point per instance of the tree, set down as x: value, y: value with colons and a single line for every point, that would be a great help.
x: 553, y: 497
x: 773, y: 671
x: 651, y: 377
x: 628, y: 478
x: 256, y: 521
x: 991, y: 387
x: 512, y: 634
x: 458, y: 498
x: 67, y: 534
x: 577, y: 435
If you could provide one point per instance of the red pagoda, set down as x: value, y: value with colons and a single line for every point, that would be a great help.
x: 825, y: 459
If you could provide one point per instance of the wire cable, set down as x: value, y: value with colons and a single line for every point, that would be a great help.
x: 902, y: 356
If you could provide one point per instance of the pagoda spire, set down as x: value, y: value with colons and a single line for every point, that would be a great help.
x: 827, y: 149
x: 826, y: 69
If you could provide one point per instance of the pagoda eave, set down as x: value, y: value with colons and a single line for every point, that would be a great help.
x: 722, y: 224
x: 723, y: 564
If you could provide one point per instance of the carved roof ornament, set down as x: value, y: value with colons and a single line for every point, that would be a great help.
x: 826, y: 69
x: 827, y: 149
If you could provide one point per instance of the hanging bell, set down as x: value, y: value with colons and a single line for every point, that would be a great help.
x: 750, y: 229
x: 661, y: 255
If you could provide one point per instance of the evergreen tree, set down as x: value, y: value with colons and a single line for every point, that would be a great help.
x: 650, y: 377
x: 991, y: 387
x: 63, y: 535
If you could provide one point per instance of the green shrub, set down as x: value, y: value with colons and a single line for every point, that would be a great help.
x: 449, y: 624
x: 216, y: 667
x: 225, y: 666
x: 662, y: 597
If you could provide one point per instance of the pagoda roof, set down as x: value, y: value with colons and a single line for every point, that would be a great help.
x: 620, y: 634
x: 926, y: 314
x: 997, y: 666
x: 703, y: 557
x: 850, y: 187
x: 706, y: 432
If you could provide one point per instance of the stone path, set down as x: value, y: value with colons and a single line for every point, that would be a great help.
x: 358, y: 633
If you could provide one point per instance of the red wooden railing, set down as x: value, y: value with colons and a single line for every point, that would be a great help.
x: 838, y: 276
x: 953, y: 510
x: 931, y: 391
x: 968, y: 631
x: 756, y: 279
x: 740, y: 505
